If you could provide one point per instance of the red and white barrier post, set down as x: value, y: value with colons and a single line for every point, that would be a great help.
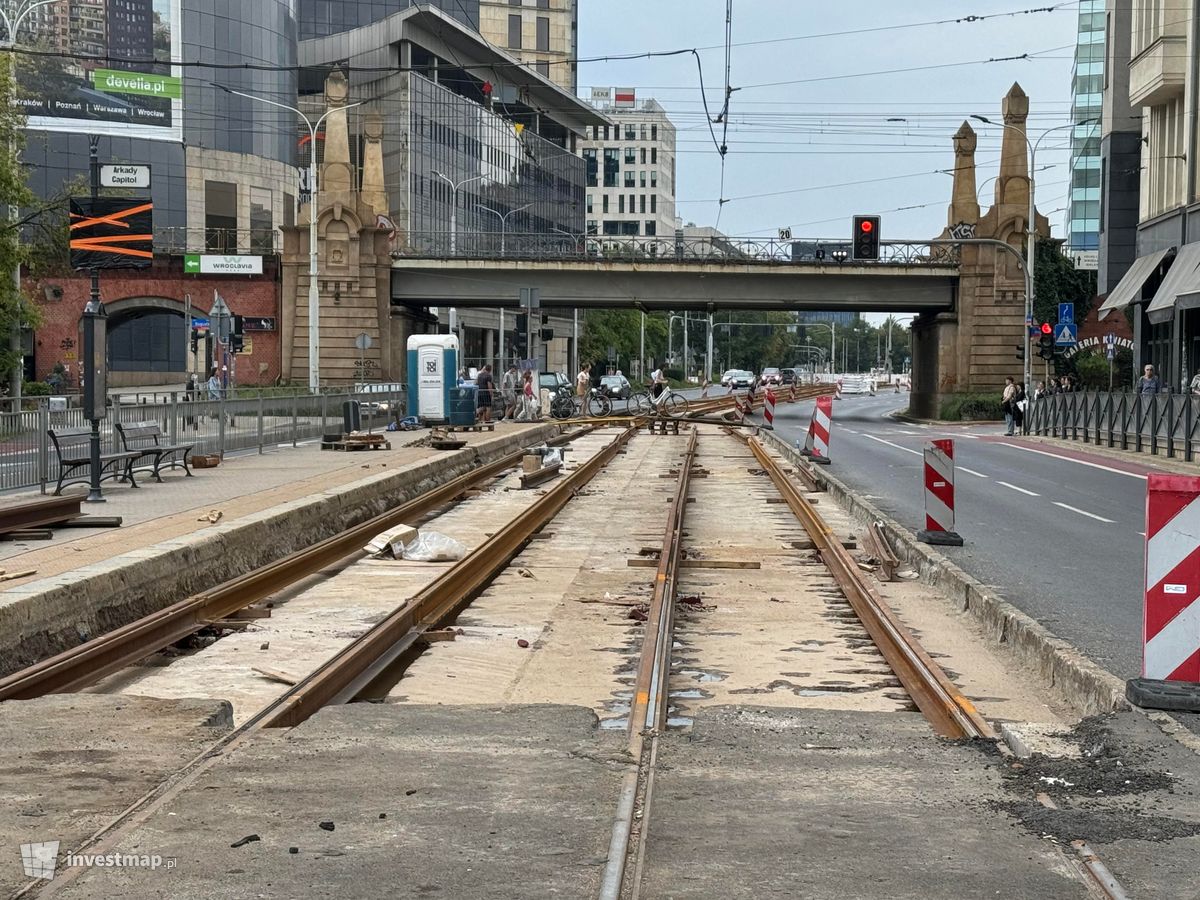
x: 939, y: 496
x: 816, y: 445
x: 1171, y: 615
x: 769, y: 409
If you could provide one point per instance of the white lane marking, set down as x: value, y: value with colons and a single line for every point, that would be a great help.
x: 1021, y: 489
x: 1068, y: 459
x: 969, y: 437
x: 1084, y: 512
x: 971, y: 472
x: 897, y: 446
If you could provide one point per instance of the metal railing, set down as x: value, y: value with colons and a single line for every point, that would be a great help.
x: 263, y: 422
x: 1153, y: 423
x: 668, y: 249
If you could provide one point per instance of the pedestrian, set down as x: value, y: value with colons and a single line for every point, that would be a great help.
x: 658, y: 382
x: 1040, y: 391
x: 583, y: 380
x: 1008, y: 403
x: 1019, y: 407
x: 1194, y: 387
x: 508, y: 389
x: 528, y: 409
x: 1149, y: 383
x: 483, y: 392
x: 214, y: 386
x: 189, y: 391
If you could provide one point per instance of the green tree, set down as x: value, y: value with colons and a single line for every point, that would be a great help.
x: 621, y: 329
x: 16, y: 311
x: 1056, y: 280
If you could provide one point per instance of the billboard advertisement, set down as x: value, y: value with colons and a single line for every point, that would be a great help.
x: 103, y: 67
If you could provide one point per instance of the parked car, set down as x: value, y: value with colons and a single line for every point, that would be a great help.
x: 770, y: 375
x: 740, y: 378
x: 726, y: 376
x: 616, y: 386
x: 553, y: 381
x: 788, y: 376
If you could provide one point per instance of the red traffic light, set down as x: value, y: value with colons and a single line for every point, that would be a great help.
x: 1046, y: 328
x: 866, y: 226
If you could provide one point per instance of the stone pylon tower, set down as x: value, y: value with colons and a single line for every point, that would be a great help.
x: 354, y: 253
x: 973, y: 348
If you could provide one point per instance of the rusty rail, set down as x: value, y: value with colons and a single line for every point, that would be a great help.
x: 350, y: 672
x: 647, y: 713
x: 84, y: 665
x: 43, y: 511
x: 949, y: 712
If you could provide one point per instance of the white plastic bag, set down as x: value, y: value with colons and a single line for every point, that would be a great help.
x: 433, y: 547
x: 552, y: 457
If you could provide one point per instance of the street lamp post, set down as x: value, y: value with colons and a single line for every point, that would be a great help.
x: 314, y: 302
x: 95, y: 347
x: 1030, y: 228
x: 12, y: 27
x: 503, y: 217
x: 454, y: 188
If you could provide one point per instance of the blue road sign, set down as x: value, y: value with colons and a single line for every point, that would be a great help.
x: 1110, y: 339
x: 1066, y: 314
x: 199, y: 323
x: 1066, y: 334
x: 1110, y: 353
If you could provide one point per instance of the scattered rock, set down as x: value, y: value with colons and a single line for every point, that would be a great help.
x: 410, y: 792
x: 248, y: 839
x: 293, y: 849
x: 213, y: 517
x: 265, y: 645
x: 383, y: 815
x: 326, y: 826
x: 525, y: 573
x: 639, y: 613
x: 522, y: 643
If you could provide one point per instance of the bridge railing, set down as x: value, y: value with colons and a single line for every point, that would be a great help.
x: 1154, y: 423
x: 667, y: 249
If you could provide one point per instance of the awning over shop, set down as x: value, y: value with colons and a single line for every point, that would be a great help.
x: 1182, y: 278
x: 1129, y: 288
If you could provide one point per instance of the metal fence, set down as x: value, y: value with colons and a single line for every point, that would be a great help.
x: 1154, y: 423
x: 27, y: 457
x: 667, y: 249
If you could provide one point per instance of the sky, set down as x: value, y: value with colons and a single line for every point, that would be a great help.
x: 812, y: 153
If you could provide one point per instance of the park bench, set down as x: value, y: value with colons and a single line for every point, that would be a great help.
x: 145, y: 439
x: 73, y: 447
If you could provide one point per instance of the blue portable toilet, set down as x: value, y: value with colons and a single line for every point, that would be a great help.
x: 432, y: 372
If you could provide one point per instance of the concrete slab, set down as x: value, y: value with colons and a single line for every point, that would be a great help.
x: 460, y: 803
x: 836, y: 805
x: 72, y: 763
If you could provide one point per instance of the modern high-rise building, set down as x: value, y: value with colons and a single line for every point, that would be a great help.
x: 630, y: 167
x: 321, y: 18
x: 1083, y: 204
x: 1120, y: 153
x: 543, y: 34
x: 130, y: 25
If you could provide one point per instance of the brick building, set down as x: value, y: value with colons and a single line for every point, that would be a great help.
x: 148, y: 342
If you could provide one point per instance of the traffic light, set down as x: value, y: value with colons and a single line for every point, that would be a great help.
x: 547, y: 334
x: 237, y: 343
x: 195, y: 340
x: 1046, y: 341
x: 1021, y: 352
x: 238, y: 323
x: 866, y: 237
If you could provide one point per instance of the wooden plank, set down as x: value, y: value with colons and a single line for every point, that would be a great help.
x: 651, y: 563
x: 28, y: 534
x: 275, y: 675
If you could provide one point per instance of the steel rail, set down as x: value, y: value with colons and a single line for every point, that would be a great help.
x: 344, y: 676
x: 647, y: 713
x: 43, y: 511
x: 949, y: 712
x: 84, y: 665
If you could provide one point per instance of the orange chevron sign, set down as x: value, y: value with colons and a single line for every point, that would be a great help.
x: 111, y: 233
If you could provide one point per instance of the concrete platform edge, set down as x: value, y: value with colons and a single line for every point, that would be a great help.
x: 56, y: 613
x: 1064, y: 668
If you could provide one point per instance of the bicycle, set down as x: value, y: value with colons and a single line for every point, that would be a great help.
x: 566, y: 405
x: 669, y: 402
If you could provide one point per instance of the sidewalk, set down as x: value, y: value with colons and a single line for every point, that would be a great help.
x: 242, y: 485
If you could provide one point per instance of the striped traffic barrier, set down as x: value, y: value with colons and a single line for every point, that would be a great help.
x: 769, y: 409
x: 816, y: 444
x: 939, y: 496
x: 1171, y: 614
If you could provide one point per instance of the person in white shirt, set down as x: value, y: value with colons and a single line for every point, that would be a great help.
x: 583, y: 380
x: 659, y: 382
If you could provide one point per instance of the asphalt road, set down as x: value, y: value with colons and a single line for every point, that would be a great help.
x: 1062, y: 538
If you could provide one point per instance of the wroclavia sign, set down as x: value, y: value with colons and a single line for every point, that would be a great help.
x: 112, y: 81
x: 1097, y: 342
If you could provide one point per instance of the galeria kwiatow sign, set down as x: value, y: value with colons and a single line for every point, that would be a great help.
x: 82, y: 77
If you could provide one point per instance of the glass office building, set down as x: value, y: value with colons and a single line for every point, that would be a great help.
x: 1083, y: 202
